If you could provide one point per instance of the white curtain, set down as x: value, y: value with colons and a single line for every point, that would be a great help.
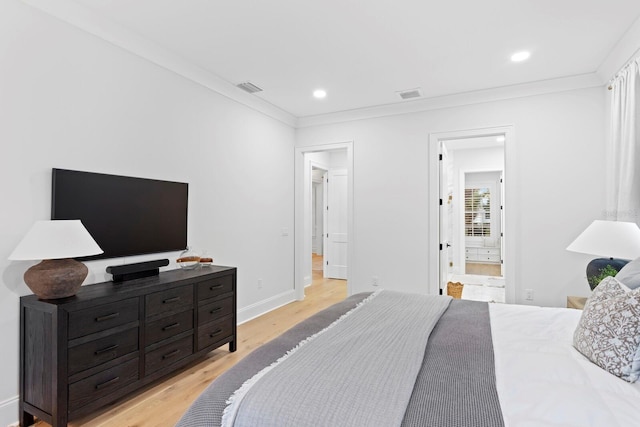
x: 624, y: 191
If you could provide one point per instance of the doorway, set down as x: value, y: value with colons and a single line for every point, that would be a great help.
x: 470, y: 218
x: 324, y: 214
x: 478, y: 274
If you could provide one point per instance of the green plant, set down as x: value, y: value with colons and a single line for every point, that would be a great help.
x: 604, y: 272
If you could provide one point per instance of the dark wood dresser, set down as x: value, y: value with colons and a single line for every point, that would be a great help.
x: 80, y: 353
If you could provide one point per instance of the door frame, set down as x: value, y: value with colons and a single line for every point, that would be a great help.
x: 510, y: 213
x: 302, y: 214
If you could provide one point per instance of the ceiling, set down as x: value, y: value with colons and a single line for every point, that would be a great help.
x: 363, y: 52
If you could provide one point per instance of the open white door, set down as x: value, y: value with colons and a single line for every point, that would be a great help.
x: 502, y: 228
x: 335, y: 255
x: 446, y: 211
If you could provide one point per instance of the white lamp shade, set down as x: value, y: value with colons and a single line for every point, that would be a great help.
x: 611, y: 239
x: 57, y: 239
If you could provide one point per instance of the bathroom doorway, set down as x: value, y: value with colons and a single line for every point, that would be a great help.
x: 471, y: 217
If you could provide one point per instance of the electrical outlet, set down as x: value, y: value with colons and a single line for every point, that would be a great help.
x: 374, y: 281
x: 528, y: 294
x: 259, y: 283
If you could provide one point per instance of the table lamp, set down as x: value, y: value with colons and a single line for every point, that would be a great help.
x: 56, y: 243
x: 618, y: 241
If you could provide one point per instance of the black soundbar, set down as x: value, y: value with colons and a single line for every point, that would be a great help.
x: 136, y: 270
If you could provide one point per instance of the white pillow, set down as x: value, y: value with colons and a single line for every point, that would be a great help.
x: 609, y: 330
x: 630, y: 274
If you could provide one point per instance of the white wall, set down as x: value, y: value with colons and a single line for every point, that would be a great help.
x: 71, y: 100
x: 558, y: 148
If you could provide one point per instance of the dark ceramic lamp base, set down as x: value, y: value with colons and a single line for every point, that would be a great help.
x: 56, y: 278
x: 595, y: 267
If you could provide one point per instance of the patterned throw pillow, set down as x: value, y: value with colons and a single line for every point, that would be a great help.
x: 609, y: 330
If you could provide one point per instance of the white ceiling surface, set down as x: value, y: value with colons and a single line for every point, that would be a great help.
x: 363, y: 52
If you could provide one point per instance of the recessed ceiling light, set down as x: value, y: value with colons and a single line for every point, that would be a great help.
x: 520, y: 56
x: 500, y: 138
x: 319, y: 93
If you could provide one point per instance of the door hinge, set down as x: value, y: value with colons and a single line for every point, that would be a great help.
x: 440, y: 291
x: 439, y: 156
x: 440, y: 202
x: 440, y: 246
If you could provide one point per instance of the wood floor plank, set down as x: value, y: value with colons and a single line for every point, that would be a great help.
x: 161, y: 404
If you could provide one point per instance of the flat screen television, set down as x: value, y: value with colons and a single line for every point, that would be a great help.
x: 125, y: 215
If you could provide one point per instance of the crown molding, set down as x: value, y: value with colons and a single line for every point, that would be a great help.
x: 116, y: 34
x: 456, y: 100
x: 626, y: 49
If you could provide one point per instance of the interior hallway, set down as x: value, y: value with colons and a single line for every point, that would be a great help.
x: 335, y: 288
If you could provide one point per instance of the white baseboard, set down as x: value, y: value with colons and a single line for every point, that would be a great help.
x: 308, y: 280
x: 261, y: 307
x: 9, y: 412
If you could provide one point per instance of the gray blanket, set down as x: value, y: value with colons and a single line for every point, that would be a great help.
x: 460, y: 392
x: 359, y: 371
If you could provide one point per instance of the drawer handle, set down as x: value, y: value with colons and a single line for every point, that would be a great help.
x: 107, y: 317
x: 214, y: 287
x: 216, y: 332
x: 170, y: 300
x: 107, y: 383
x: 106, y: 349
x: 215, y: 310
x: 173, y: 353
x: 173, y: 325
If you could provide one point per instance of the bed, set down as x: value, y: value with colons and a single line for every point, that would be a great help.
x: 467, y: 364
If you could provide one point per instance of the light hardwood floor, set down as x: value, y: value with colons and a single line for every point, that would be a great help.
x: 162, y: 404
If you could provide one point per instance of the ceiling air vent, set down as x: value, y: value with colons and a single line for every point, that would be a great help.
x: 409, y: 94
x: 249, y: 87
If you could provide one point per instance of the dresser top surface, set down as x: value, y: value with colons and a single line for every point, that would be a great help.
x: 133, y: 288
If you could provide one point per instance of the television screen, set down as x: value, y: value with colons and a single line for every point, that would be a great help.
x: 125, y: 215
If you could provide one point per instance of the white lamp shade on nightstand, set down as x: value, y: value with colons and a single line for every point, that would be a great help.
x: 611, y: 239
x: 56, y: 243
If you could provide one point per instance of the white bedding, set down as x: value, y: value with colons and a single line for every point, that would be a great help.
x: 543, y: 381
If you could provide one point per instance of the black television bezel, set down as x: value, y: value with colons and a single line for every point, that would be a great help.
x: 123, y: 254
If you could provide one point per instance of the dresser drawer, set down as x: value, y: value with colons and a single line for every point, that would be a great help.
x: 215, y: 310
x: 101, y: 384
x: 214, y: 331
x: 489, y: 251
x: 169, y: 301
x: 102, y: 350
x: 214, y: 287
x: 168, y: 327
x: 101, y: 317
x: 168, y: 354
